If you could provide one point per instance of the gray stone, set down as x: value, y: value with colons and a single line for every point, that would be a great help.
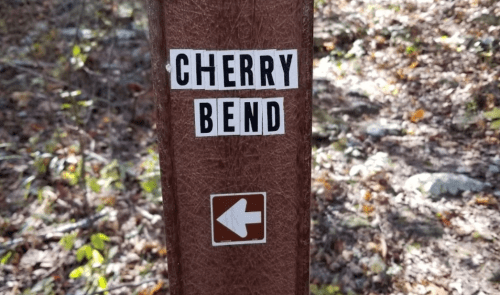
x: 357, y: 108
x: 496, y: 160
x: 41, y: 26
x: 377, y: 264
x: 70, y: 33
x: 383, y: 128
x: 375, y: 130
x: 360, y: 283
x: 357, y: 49
x: 123, y: 34
x: 493, y: 169
x: 374, y: 163
x: 355, y: 269
x: 394, y: 270
x: 358, y: 170
x: 437, y: 184
x: 347, y: 255
x: 335, y: 266
x: 354, y: 152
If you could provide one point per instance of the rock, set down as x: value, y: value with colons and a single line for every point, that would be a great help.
x: 335, y: 266
x: 347, y: 281
x: 377, y: 279
x: 477, y: 260
x: 69, y: 33
x: 347, y: 255
x: 357, y: 108
x: 374, y: 163
x: 358, y: 170
x: 493, y: 169
x: 377, y: 264
x: 113, y: 268
x: 123, y: 34
x: 457, y: 285
x: 132, y: 257
x: 496, y: 160
x: 375, y: 130
x: 464, y: 169
x: 377, y: 162
x: 357, y: 49
x: 437, y: 184
x: 364, y: 262
x: 383, y: 128
x: 354, y: 152
x: 355, y: 269
x: 394, y: 270
x: 463, y: 229
x: 360, y: 283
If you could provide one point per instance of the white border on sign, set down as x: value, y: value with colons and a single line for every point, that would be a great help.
x: 257, y: 111
x: 235, y: 112
x: 281, y: 109
x: 197, y: 116
x: 263, y: 241
x: 293, y: 74
x: 185, y: 68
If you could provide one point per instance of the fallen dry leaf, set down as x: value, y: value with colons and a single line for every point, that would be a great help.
x: 22, y: 98
x: 368, y: 209
x: 417, y: 115
x: 368, y: 196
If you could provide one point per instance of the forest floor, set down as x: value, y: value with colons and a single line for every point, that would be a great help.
x: 406, y: 149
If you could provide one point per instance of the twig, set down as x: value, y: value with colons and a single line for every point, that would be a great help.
x: 108, y: 77
x: 59, y: 230
x: 33, y: 72
x: 54, y: 80
x: 123, y: 285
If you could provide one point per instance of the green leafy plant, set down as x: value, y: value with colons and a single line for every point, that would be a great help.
x: 6, y: 258
x: 150, y: 179
x: 112, y: 175
x: 325, y: 290
x: 494, y: 115
x: 67, y: 241
x: 318, y: 3
x: 72, y: 174
x: 340, y: 145
x: 411, y: 50
x: 43, y: 287
x: 92, y: 271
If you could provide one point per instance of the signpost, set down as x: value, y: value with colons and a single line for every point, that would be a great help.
x: 232, y: 80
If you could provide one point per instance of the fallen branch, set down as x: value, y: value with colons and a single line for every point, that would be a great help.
x: 33, y: 72
x: 123, y: 285
x: 57, y: 231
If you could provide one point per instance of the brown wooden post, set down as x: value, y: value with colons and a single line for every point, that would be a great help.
x: 233, y: 81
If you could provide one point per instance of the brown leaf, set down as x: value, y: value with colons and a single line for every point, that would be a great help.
x: 368, y: 196
x: 134, y: 87
x: 417, y: 115
x: 22, y: 98
x: 368, y: 209
x: 338, y: 246
x: 329, y: 46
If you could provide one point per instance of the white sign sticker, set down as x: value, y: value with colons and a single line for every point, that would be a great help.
x: 205, y: 110
x: 234, y: 69
x: 273, y: 116
x: 239, y: 116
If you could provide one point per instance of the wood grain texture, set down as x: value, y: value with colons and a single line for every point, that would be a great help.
x: 193, y: 168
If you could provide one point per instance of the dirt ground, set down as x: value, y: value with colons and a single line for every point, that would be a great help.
x: 406, y: 149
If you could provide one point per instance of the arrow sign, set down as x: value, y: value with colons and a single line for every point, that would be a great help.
x: 236, y: 218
